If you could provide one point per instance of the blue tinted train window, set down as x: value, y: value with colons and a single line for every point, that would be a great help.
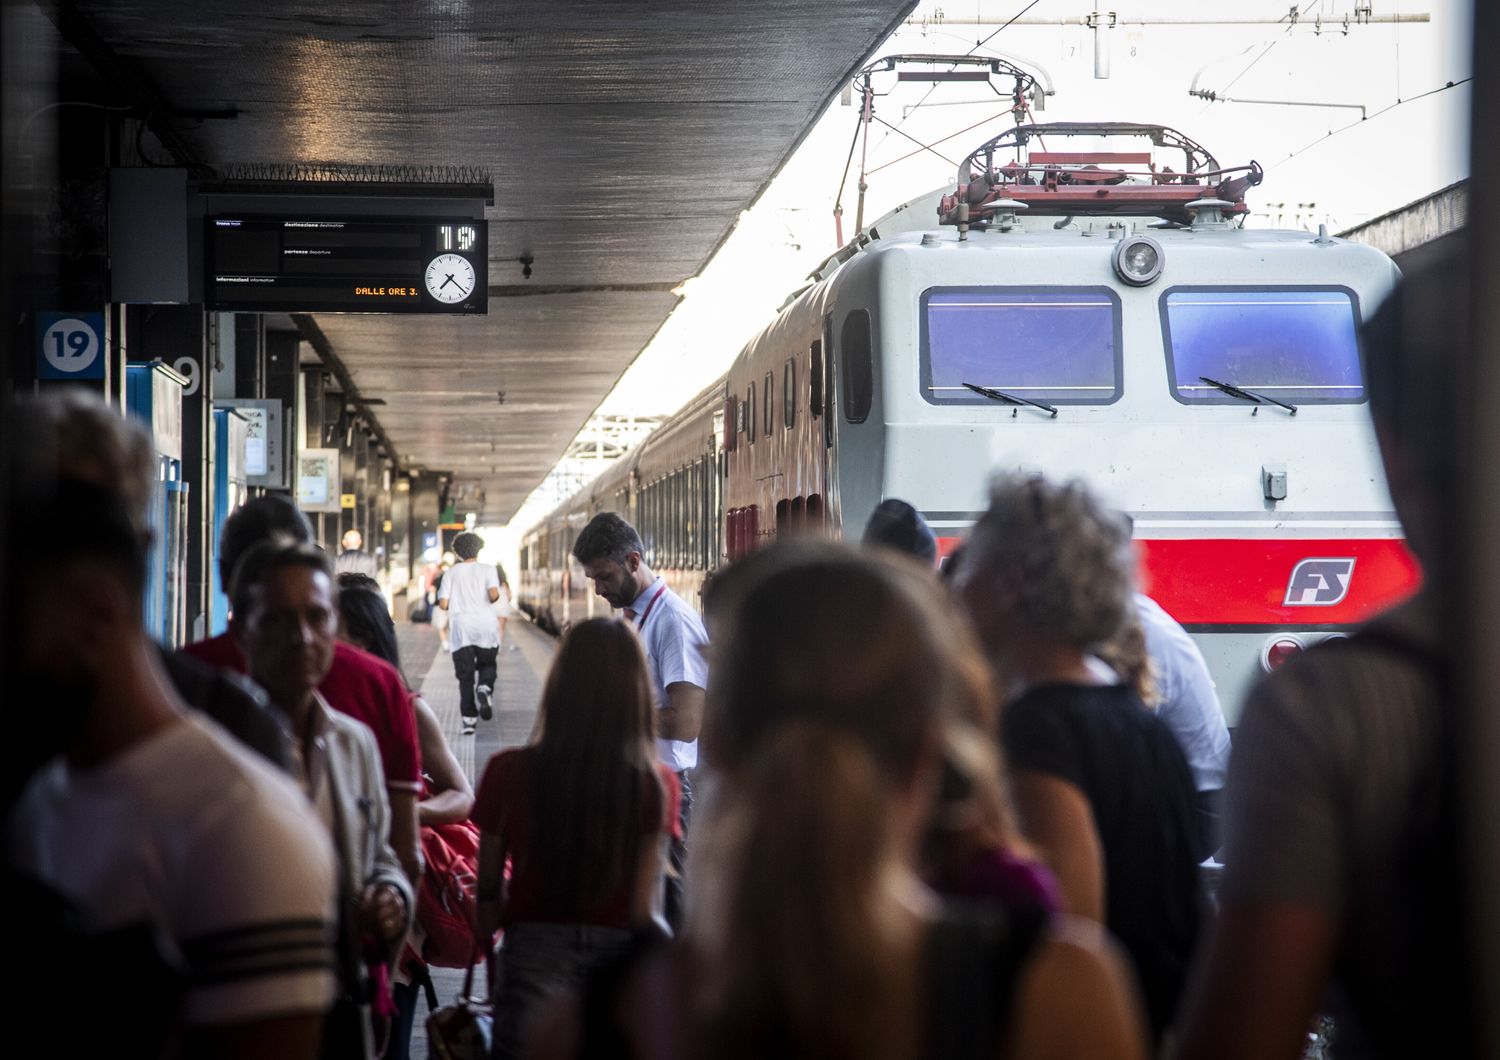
x: 1296, y: 344
x: 1056, y: 344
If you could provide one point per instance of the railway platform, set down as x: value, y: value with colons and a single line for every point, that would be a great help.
x: 522, y: 668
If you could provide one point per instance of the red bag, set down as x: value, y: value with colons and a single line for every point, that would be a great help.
x: 445, y: 900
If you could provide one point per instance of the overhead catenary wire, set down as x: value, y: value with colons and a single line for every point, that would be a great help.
x: 1384, y: 110
x: 977, y: 45
x: 929, y: 147
x: 866, y: 114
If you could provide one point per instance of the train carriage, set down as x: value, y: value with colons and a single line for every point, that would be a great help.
x: 1203, y: 377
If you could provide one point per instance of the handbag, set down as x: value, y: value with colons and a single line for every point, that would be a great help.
x: 462, y: 1030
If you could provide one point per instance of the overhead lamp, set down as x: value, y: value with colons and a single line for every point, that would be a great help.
x: 1138, y: 260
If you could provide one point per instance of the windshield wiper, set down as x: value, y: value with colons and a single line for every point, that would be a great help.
x: 1248, y: 395
x: 1000, y: 395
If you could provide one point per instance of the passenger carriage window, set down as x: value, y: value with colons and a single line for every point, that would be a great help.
x: 1060, y: 345
x: 859, y: 371
x: 815, y: 380
x: 789, y: 393
x: 750, y: 413
x: 828, y: 378
x: 768, y: 399
x: 1296, y: 344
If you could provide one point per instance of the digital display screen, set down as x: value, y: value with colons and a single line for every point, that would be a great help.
x: 334, y: 265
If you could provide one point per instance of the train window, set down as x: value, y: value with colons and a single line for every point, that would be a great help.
x: 1059, y: 345
x: 750, y: 413
x: 1295, y: 344
x: 828, y: 381
x: 815, y: 380
x: 733, y: 425
x: 789, y: 393
x: 859, y: 368
x: 768, y: 395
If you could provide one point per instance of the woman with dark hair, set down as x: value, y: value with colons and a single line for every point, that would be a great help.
x: 810, y: 933
x: 582, y: 815
x: 447, y: 795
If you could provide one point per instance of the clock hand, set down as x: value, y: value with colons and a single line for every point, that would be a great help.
x: 446, y: 282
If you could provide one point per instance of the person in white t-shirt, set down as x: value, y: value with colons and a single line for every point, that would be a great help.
x: 468, y: 590
x: 151, y: 815
x: 674, y: 638
x: 503, y: 606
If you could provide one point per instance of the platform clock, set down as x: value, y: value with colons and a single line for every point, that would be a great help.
x: 450, y: 278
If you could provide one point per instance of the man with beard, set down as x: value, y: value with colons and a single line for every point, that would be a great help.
x: 673, y: 636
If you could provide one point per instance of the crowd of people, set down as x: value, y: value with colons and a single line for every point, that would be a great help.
x: 945, y: 806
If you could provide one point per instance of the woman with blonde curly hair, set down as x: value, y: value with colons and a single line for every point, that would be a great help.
x: 1101, y: 785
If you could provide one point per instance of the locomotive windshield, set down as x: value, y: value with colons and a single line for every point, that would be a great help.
x: 1057, y: 345
x: 1297, y: 345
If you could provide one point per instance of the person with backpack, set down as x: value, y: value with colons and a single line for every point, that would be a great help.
x: 809, y: 932
x: 1343, y: 852
x: 442, y: 933
x: 582, y: 814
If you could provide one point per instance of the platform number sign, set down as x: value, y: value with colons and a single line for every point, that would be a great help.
x: 70, y: 346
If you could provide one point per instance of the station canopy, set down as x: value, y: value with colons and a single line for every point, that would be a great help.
x: 624, y: 139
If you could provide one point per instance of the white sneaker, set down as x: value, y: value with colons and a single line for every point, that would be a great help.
x: 469, y: 727
x: 483, y: 694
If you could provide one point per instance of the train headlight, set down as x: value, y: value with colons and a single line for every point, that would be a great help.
x: 1138, y: 260
x: 1279, y: 650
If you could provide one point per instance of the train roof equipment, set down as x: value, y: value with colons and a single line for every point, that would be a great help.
x: 1018, y: 171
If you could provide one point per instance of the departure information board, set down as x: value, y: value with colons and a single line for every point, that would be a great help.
x: 334, y: 265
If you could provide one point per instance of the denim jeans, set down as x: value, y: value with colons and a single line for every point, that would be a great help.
x: 538, y: 960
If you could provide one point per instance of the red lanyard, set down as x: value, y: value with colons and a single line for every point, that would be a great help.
x: 649, y: 605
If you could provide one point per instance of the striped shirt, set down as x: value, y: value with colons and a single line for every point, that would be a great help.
x: 190, y: 832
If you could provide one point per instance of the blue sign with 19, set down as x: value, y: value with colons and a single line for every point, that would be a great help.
x: 70, y: 346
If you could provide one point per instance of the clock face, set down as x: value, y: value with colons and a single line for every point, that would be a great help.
x: 450, y: 278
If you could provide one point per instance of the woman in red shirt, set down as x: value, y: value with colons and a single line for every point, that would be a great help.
x: 581, y: 815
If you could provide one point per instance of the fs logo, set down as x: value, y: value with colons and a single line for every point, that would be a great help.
x: 1319, y: 582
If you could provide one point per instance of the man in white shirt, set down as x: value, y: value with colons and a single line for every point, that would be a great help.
x: 1189, y: 707
x: 150, y: 814
x: 468, y: 590
x: 673, y: 636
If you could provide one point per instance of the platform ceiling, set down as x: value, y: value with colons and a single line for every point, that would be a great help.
x: 624, y: 139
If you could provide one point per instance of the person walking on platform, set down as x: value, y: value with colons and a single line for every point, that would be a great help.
x: 357, y: 684
x: 581, y: 815
x: 466, y: 595
x: 503, y: 606
x: 146, y: 819
x: 447, y: 797
x: 1101, y: 785
x: 672, y: 632
x: 810, y: 934
x: 1346, y: 814
x: 354, y: 559
x: 285, y: 620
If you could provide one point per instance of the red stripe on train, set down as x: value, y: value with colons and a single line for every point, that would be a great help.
x: 1235, y: 581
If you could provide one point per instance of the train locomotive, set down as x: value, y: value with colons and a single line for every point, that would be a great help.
x: 1103, y: 315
